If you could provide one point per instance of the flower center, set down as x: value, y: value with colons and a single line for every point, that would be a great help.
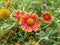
x: 20, y: 15
x: 46, y: 17
x: 30, y: 21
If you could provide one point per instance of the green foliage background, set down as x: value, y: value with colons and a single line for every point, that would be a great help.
x: 50, y: 37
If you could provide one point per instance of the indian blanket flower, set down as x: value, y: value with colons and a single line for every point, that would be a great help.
x: 4, y: 13
x: 30, y: 22
x: 46, y: 17
x: 19, y: 14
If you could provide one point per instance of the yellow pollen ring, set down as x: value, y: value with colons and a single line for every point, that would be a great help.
x: 20, y: 15
x: 30, y: 21
x: 46, y: 17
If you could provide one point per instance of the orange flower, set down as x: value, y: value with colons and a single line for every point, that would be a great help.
x: 58, y: 30
x: 17, y: 44
x: 8, y: 3
x: 30, y: 22
x: 58, y: 8
x: 46, y: 17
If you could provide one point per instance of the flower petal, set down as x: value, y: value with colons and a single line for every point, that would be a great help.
x: 35, y: 26
x: 34, y: 16
x: 27, y: 28
x: 23, y: 20
x: 16, y: 13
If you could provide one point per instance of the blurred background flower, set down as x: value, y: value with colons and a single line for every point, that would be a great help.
x: 47, y: 17
x: 18, y: 14
x: 4, y: 13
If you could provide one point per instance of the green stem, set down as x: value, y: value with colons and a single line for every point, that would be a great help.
x: 7, y: 39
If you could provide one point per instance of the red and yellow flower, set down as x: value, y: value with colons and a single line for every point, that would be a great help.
x: 46, y: 17
x: 30, y: 22
x: 19, y: 14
